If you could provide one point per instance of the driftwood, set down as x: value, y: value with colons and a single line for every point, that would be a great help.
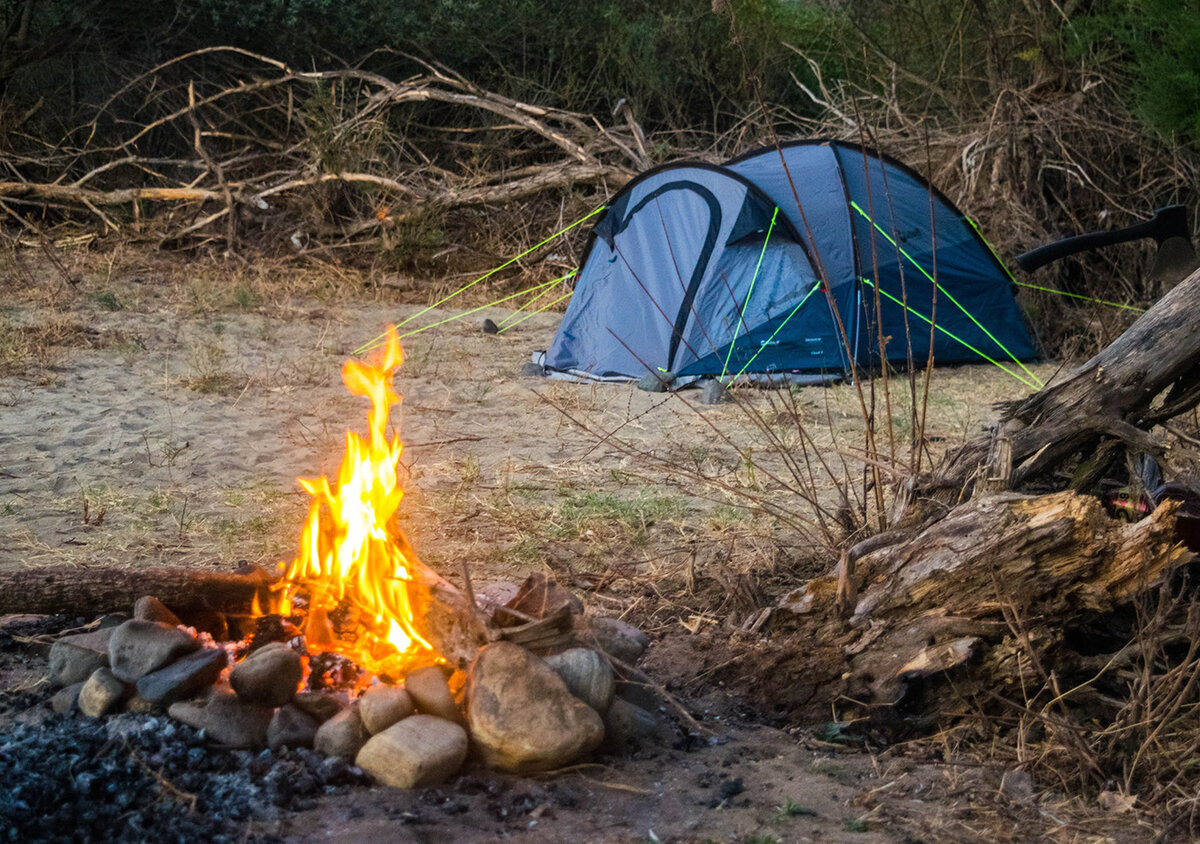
x: 1102, y: 409
x: 999, y: 575
x: 996, y: 583
x: 260, y: 160
x: 450, y: 622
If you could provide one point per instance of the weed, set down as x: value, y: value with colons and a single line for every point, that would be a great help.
x: 245, y: 298
x: 856, y: 825
x: 791, y: 809
x: 108, y: 301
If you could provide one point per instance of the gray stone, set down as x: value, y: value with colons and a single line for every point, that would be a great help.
x: 101, y: 693
x: 531, y: 370
x: 617, y: 638
x: 382, y: 706
x: 489, y: 326
x: 66, y: 699
x: 149, y: 608
x: 635, y: 686
x: 184, y: 678
x: 343, y: 735
x: 587, y: 674
x: 522, y: 717
x: 269, y: 676
x: 431, y: 693
x: 419, y: 751
x: 627, y: 725
x: 74, y: 658
x: 138, y: 647
x: 291, y: 727
x: 225, y: 718
x: 656, y: 382
x: 713, y: 391
x: 321, y: 705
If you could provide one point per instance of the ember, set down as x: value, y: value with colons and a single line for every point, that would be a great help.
x: 353, y: 571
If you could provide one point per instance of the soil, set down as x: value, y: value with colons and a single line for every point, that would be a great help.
x: 158, y: 413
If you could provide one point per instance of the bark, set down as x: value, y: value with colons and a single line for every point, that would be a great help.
x: 1101, y: 409
x: 450, y: 622
x: 999, y: 575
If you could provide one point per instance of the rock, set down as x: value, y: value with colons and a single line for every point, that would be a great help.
x: 66, y: 699
x: 431, y: 693
x: 74, y: 658
x: 149, y: 608
x: 617, y: 638
x: 225, y: 718
x: 291, y: 727
x: 538, y: 597
x: 587, y: 674
x: 489, y: 326
x: 521, y: 715
x: 269, y: 676
x: 656, y: 382
x: 139, y: 704
x: 343, y: 735
x: 185, y: 677
x: 635, y: 686
x: 382, y: 706
x: 138, y: 647
x: 531, y: 370
x: 626, y: 725
x: 1017, y: 785
x: 713, y: 391
x: 101, y: 693
x: 419, y: 751
x: 492, y: 596
x: 320, y: 705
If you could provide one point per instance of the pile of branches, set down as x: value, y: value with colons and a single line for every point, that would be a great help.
x: 226, y: 147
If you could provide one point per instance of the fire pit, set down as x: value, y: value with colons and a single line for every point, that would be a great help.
x: 363, y: 658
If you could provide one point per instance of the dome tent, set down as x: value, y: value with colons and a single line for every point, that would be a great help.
x: 705, y: 271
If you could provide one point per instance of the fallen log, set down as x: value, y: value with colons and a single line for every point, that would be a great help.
x: 451, y: 623
x: 1102, y: 409
x: 995, y: 587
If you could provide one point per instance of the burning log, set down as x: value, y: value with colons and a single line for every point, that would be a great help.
x: 58, y: 590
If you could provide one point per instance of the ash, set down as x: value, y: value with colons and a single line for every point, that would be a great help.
x: 147, y: 778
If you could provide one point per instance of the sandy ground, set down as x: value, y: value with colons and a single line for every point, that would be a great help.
x: 164, y: 422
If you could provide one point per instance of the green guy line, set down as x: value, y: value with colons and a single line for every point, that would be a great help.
x: 992, y: 249
x: 538, y: 311
x: 1084, y: 298
x: 742, y: 316
x: 944, y: 292
x: 767, y: 342
x: 953, y: 336
x: 515, y: 314
x: 376, y: 341
x: 988, y: 244
x: 527, y: 290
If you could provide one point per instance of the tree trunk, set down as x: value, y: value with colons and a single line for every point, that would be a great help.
x: 1108, y: 405
x: 998, y: 583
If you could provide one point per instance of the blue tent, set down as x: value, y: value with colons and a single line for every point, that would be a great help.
x: 786, y: 261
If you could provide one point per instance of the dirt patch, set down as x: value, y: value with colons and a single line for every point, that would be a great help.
x: 179, y: 442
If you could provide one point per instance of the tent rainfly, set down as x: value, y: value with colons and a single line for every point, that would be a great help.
x: 699, y: 271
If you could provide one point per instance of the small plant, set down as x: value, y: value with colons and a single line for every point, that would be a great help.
x: 856, y: 825
x: 791, y: 809
x: 108, y: 301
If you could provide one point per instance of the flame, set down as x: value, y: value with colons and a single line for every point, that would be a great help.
x: 354, y: 565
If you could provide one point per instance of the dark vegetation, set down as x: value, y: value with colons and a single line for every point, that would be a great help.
x: 1040, y: 119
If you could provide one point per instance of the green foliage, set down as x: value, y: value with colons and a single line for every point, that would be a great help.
x: 1157, y: 42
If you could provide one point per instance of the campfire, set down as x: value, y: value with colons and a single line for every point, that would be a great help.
x: 358, y: 650
x: 351, y: 578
